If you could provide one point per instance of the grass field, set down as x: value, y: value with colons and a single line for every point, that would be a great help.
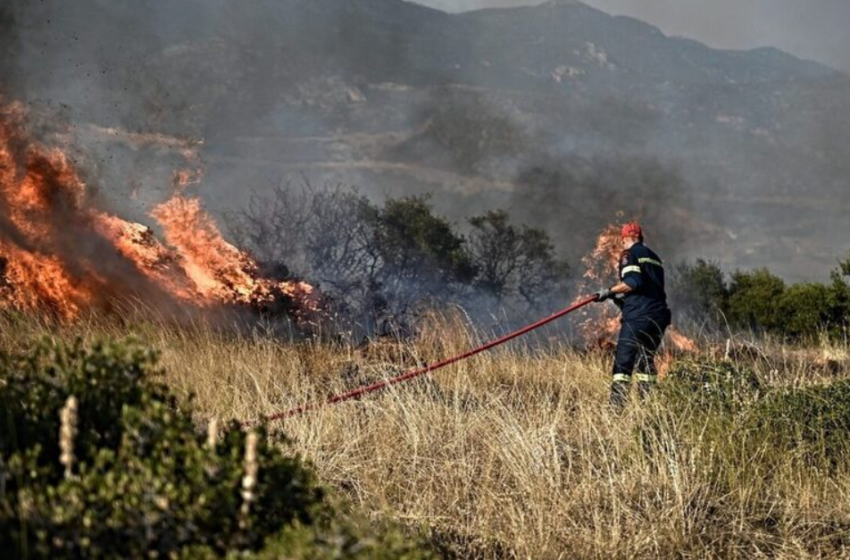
x: 514, y: 454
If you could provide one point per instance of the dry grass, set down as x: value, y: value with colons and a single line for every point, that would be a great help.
x: 514, y: 453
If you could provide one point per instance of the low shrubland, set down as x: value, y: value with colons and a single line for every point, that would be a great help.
x: 741, y: 452
x: 98, y: 459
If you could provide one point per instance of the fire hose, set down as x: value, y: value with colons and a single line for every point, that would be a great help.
x: 413, y: 374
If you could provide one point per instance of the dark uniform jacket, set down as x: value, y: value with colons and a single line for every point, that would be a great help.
x: 643, y: 271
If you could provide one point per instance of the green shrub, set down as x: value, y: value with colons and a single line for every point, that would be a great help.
x: 698, y: 291
x: 143, y: 481
x: 698, y: 405
x: 752, y: 300
x: 761, y: 301
x: 813, y: 423
x: 717, y: 386
x: 334, y: 540
x: 804, y: 310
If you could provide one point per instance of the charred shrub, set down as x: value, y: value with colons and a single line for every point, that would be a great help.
x: 99, y: 460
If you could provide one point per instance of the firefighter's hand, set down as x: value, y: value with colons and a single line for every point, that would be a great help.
x: 603, y: 295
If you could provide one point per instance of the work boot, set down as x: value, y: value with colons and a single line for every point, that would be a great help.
x: 644, y: 389
x: 619, y: 395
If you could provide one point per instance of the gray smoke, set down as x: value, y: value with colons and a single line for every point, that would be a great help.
x: 482, y: 111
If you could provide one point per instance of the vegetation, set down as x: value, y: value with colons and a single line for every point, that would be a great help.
x: 511, y: 454
x: 382, y: 266
x: 99, y: 460
x: 762, y: 302
x: 387, y: 263
x: 513, y: 260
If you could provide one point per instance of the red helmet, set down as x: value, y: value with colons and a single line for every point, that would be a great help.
x: 632, y: 230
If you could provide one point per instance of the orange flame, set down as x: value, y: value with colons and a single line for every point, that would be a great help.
x: 59, y: 253
x: 681, y: 342
x: 602, y: 323
x: 219, y: 271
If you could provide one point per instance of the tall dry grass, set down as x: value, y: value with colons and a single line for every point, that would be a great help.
x: 515, y: 453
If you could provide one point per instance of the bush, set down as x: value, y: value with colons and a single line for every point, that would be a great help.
x: 378, y: 266
x: 420, y: 254
x: 803, y: 310
x: 698, y: 291
x: 515, y: 262
x: 812, y: 423
x: 716, y: 386
x: 752, y: 300
x: 132, y: 477
x: 699, y: 404
x: 761, y: 301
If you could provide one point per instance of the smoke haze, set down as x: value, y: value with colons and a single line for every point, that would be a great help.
x: 562, y: 115
x: 815, y: 30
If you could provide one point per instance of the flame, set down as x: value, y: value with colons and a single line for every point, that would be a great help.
x: 602, y: 323
x: 219, y: 271
x: 603, y: 261
x: 681, y: 342
x: 61, y: 254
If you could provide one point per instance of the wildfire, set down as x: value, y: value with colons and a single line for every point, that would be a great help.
x: 602, y: 323
x: 59, y: 253
x: 681, y: 342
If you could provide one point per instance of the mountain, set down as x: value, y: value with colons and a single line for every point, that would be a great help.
x: 559, y: 111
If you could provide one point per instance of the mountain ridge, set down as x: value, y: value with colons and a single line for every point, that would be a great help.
x: 407, y: 99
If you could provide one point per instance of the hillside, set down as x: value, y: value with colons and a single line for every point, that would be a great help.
x: 556, y: 111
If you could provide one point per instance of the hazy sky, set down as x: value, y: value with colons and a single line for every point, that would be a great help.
x: 814, y: 29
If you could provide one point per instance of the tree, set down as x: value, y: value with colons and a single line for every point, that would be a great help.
x: 416, y: 254
x: 844, y: 267
x: 372, y: 262
x: 804, y: 310
x: 753, y: 298
x: 320, y: 234
x: 514, y: 261
x: 698, y: 291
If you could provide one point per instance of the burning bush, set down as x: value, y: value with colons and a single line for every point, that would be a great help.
x: 99, y: 460
x: 62, y: 255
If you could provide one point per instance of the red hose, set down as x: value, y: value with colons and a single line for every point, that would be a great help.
x: 353, y: 394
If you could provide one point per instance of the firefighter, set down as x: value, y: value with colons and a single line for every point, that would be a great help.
x: 641, y: 297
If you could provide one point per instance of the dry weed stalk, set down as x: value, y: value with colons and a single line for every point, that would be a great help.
x: 67, y: 434
x: 249, y: 479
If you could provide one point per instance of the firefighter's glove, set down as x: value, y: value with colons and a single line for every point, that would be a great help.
x: 603, y: 295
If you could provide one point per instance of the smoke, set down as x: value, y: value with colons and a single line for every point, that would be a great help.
x: 532, y: 113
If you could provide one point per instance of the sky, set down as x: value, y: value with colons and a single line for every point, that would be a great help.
x: 812, y: 29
